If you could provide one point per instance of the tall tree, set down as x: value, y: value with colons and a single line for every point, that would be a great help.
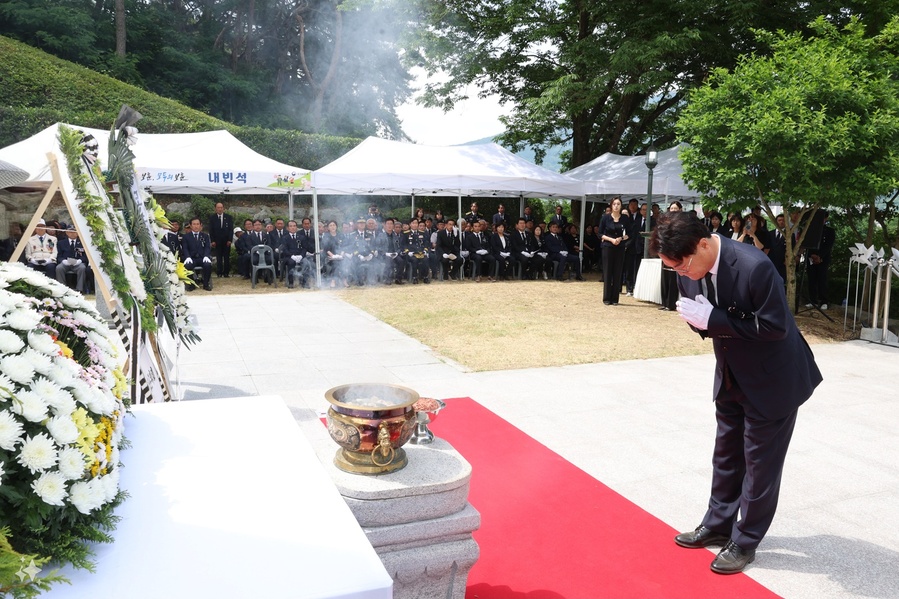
x: 815, y: 124
x: 120, y: 34
x: 602, y: 75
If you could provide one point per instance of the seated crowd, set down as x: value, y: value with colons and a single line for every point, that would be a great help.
x: 376, y: 250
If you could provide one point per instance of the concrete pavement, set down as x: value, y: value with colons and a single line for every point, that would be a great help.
x: 645, y: 428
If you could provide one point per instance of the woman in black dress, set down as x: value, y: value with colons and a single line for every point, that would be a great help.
x: 502, y: 250
x: 613, y: 229
x: 331, y: 245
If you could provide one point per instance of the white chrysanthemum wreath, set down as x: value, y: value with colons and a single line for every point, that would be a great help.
x: 62, y: 404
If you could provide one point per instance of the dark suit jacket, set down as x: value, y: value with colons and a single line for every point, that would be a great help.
x: 518, y: 244
x: 559, y: 218
x: 196, y: 249
x: 473, y: 244
x: 243, y: 245
x: 448, y: 244
x: 307, y: 241
x: 292, y: 247
x: 276, y: 238
x: 219, y: 233
x: 554, y: 245
x: 497, y: 245
x: 68, y: 248
x: 759, y: 341
x: 172, y: 241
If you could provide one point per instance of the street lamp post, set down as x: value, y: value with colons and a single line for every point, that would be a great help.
x: 652, y: 160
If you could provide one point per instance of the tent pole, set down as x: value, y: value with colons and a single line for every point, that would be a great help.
x: 459, y: 197
x: 520, y: 205
x: 583, y: 222
x: 318, y: 241
x: 413, y: 206
x: 290, y: 204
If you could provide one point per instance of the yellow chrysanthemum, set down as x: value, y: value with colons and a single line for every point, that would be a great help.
x: 64, y: 349
x: 121, y: 383
x: 87, y: 431
x: 183, y: 274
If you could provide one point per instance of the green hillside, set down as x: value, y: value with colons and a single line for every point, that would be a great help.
x: 37, y: 90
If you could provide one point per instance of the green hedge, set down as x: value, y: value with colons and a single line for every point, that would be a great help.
x: 37, y: 90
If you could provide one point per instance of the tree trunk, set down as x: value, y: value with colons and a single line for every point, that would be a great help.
x: 120, y: 28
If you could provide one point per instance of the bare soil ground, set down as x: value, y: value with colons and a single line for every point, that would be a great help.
x: 528, y: 324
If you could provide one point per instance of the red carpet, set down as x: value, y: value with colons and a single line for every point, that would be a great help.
x: 549, y: 530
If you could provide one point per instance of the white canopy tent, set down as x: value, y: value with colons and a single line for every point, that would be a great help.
x: 384, y: 167
x: 613, y: 174
x: 211, y: 162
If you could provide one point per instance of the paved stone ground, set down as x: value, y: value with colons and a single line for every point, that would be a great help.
x: 645, y: 428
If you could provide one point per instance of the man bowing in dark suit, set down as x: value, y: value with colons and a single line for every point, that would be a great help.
x: 195, y: 250
x: 221, y: 230
x: 765, y: 370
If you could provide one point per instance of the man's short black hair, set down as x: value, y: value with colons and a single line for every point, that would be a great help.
x: 677, y: 234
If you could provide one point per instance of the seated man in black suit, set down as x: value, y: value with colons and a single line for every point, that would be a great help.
x: 71, y: 257
x: 449, y: 249
x: 480, y: 251
x: 242, y: 247
x: 558, y: 252
x: 522, y: 251
x: 196, y: 249
x: 294, y: 256
x: 390, y: 253
x: 416, y: 249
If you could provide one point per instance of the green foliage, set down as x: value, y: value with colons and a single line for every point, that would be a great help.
x: 15, y: 581
x: 201, y: 207
x: 814, y: 124
x: 39, y: 90
x: 602, y: 75
x: 328, y: 66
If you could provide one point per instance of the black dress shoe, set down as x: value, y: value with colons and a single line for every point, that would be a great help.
x: 579, y: 278
x: 665, y: 309
x: 732, y: 559
x: 207, y: 287
x: 701, y: 537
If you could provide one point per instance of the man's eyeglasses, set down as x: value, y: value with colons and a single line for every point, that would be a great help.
x: 683, y: 269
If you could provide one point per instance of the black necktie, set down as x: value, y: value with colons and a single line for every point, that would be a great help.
x: 710, y: 289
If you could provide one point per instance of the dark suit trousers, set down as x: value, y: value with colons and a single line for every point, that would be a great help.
x: 222, y: 257
x: 747, y: 467
x: 670, y: 292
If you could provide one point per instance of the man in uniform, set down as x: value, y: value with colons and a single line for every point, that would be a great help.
x: 172, y: 237
x: 765, y: 370
x: 41, y: 251
x: 473, y: 216
x: 418, y: 243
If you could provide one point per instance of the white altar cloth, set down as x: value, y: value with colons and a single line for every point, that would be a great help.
x: 228, y: 500
x: 648, y: 286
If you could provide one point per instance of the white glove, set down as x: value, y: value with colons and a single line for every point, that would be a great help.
x: 464, y: 253
x: 189, y: 262
x: 451, y: 256
x: 391, y: 254
x: 482, y: 252
x: 542, y: 254
x: 296, y: 259
x: 564, y: 253
x: 446, y: 256
x: 526, y: 255
x: 505, y: 254
x: 207, y: 261
x: 696, y: 312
